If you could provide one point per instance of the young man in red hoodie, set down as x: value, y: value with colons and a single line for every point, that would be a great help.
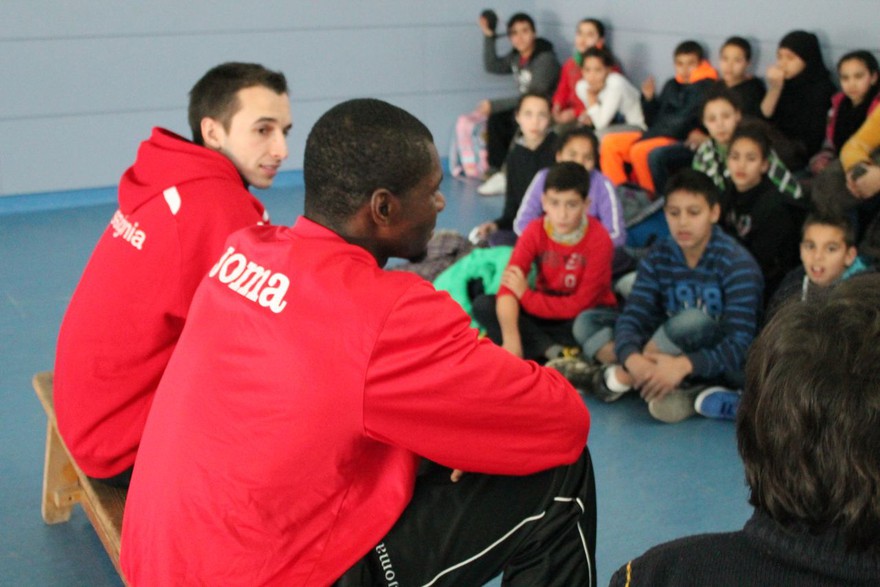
x: 285, y: 443
x: 177, y: 204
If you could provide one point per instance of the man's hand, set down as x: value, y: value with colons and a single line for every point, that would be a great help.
x: 868, y: 184
x: 514, y: 280
x: 456, y: 475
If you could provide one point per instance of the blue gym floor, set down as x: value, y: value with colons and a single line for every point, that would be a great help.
x: 654, y: 481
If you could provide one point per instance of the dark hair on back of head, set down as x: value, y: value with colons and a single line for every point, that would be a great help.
x: 524, y: 97
x: 835, y: 219
x: 568, y: 175
x: 584, y: 132
x: 742, y: 44
x: 754, y: 132
x: 719, y: 91
x: 602, y: 54
x: 689, y: 48
x: 600, y: 27
x: 866, y: 57
x: 807, y: 426
x: 694, y: 182
x: 214, y: 95
x: 520, y: 17
x: 358, y: 147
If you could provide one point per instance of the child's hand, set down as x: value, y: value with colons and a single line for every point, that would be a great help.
x: 866, y: 185
x: 563, y: 116
x: 484, y: 108
x: 514, y: 280
x: 640, y: 369
x: 668, y: 373
x: 648, y: 88
x: 485, y: 229
x: 483, y: 22
x: 585, y: 119
x: 514, y: 347
x: 695, y: 138
x: 775, y: 77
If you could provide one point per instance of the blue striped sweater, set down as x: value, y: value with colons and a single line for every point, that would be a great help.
x: 726, y: 284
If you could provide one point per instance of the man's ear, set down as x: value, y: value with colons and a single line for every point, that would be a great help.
x: 383, y: 207
x: 213, y: 133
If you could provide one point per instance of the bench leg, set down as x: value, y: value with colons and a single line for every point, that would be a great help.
x: 61, y: 489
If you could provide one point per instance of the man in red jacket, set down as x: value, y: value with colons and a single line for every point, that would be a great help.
x: 308, y: 425
x: 177, y: 204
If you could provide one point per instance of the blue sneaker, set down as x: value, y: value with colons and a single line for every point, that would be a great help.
x: 717, y: 402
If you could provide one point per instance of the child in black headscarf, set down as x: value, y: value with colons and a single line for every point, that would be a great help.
x: 798, y: 97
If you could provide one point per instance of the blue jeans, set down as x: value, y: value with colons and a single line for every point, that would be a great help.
x: 685, y: 332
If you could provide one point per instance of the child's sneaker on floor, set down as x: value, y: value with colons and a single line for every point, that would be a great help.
x: 494, y: 186
x: 717, y: 402
x: 578, y: 371
x: 601, y: 388
x: 674, y: 407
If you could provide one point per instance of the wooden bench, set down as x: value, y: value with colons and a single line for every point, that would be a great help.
x: 65, y: 485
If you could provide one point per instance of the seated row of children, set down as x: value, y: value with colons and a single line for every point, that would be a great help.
x: 682, y: 335
x: 646, y: 135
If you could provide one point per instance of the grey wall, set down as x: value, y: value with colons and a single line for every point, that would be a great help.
x: 83, y: 82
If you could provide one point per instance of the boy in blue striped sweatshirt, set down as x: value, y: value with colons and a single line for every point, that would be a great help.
x: 692, y: 314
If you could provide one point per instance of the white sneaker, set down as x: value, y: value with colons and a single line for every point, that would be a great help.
x: 494, y: 186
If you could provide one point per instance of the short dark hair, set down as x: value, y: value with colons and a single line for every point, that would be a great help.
x: 742, y: 44
x: 520, y: 17
x: 755, y: 132
x: 720, y: 91
x: 584, y: 132
x: 215, y: 94
x: 568, y: 175
x: 807, y: 427
x: 827, y: 218
x: 689, y: 48
x: 695, y: 182
x: 358, y: 147
x: 600, y: 53
x: 866, y: 57
x: 527, y: 95
x: 600, y: 27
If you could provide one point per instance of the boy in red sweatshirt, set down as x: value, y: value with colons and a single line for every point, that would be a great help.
x: 572, y: 252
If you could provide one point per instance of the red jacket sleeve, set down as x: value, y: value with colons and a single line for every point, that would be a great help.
x: 436, y: 389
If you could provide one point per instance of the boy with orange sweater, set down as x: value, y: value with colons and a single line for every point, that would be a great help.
x: 672, y: 116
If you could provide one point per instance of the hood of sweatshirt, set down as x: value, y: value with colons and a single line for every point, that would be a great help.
x: 165, y: 160
x: 703, y: 71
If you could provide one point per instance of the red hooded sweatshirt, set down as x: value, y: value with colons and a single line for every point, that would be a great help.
x: 177, y: 205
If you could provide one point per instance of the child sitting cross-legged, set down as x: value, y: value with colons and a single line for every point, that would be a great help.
x: 580, y: 146
x: 572, y: 253
x: 689, y: 320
